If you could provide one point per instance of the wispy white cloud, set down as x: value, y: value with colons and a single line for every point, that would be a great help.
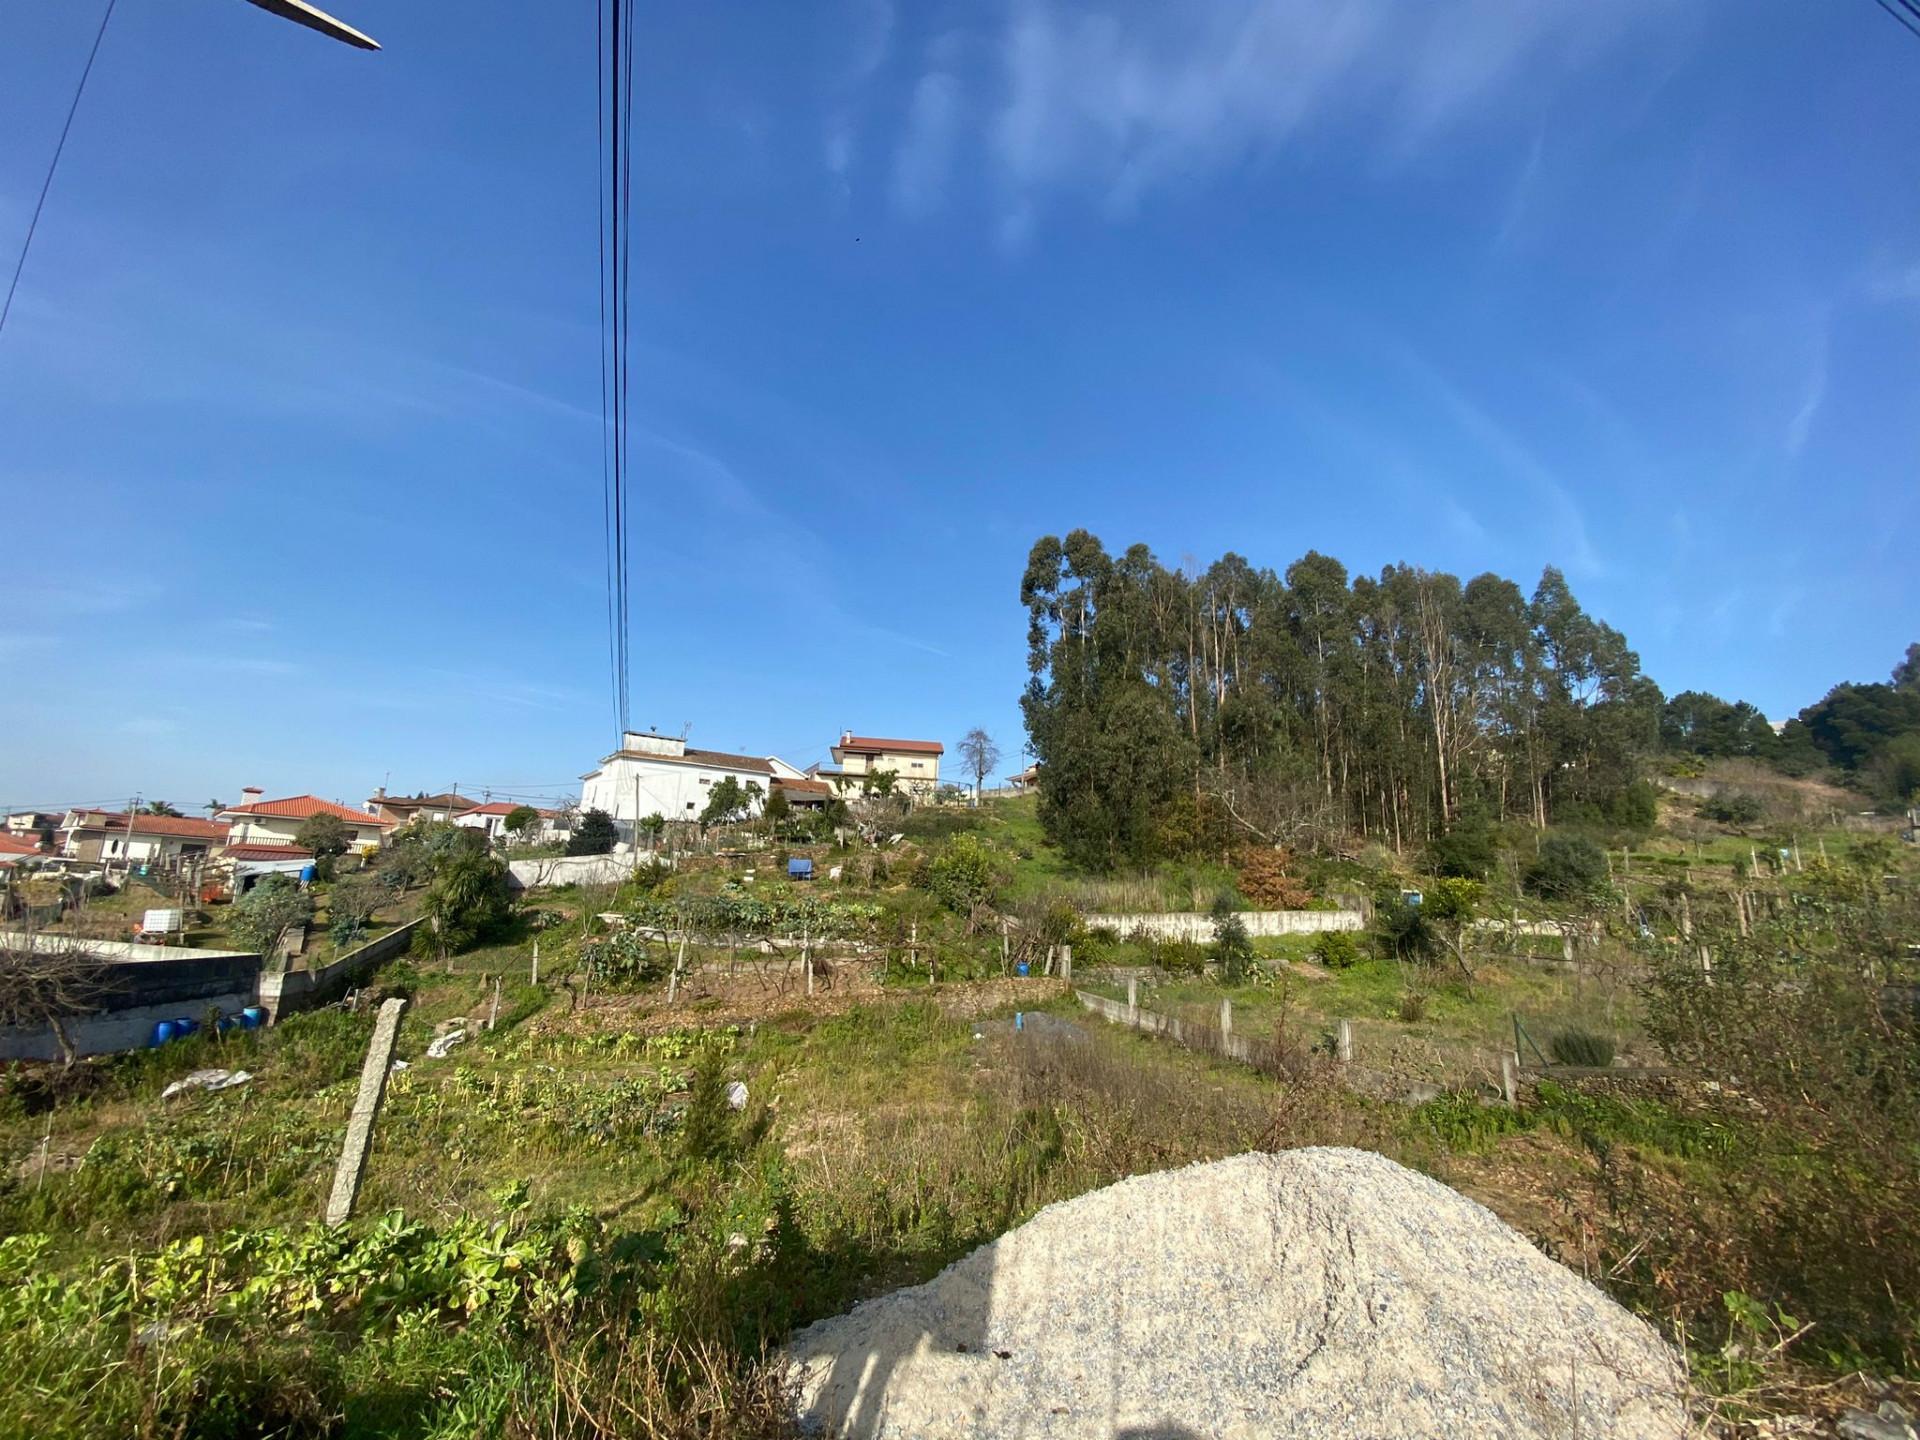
x: 1520, y: 200
x: 924, y: 160
x: 1566, y: 519
x: 1814, y: 392
x: 1895, y: 284
x: 869, y: 29
x: 1118, y: 104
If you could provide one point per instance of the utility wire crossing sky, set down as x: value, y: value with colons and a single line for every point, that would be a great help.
x: 301, y: 389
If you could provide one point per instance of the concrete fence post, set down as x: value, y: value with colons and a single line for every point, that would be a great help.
x: 1509, y: 1079
x: 1226, y: 1024
x: 493, y: 1014
x: 534, y: 978
x: 366, y: 1105
x: 1066, y: 963
x: 1343, y: 1042
x: 1133, y: 1000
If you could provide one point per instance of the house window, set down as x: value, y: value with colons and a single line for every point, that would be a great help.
x: 689, y: 804
x: 704, y: 781
x: 918, y: 766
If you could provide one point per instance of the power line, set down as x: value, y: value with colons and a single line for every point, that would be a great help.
x: 1905, y: 11
x: 53, y: 165
x: 613, y: 95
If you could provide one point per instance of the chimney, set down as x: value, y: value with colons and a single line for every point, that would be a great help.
x: 250, y: 794
x: 381, y: 793
x: 846, y: 737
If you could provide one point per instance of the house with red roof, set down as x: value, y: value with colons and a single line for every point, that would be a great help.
x: 115, y: 838
x: 16, y: 848
x: 491, y: 820
x: 405, y: 809
x: 915, y: 763
x: 260, y: 822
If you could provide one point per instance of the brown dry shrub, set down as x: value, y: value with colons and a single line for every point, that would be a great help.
x: 1264, y: 880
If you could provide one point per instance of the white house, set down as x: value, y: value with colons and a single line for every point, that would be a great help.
x: 491, y: 820
x: 662, y: 775
x: 276, y: 822
x: 114, y: 837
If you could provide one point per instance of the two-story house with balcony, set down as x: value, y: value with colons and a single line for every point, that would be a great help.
x: 915, y: 763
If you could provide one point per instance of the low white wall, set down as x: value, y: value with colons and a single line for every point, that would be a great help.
x: 1197, y: 926
x: 577, y: 870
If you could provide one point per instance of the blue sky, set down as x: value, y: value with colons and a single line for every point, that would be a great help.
x: 298, y: 402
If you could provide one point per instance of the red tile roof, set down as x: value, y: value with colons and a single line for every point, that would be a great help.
x: 183, y: 826
x: 865, y: 743
x: 806, y: 787
x: 305, y: 807
x: 266, y: 852
x: 14, y: 845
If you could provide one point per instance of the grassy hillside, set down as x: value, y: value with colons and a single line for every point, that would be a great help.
x: 565, y: 1228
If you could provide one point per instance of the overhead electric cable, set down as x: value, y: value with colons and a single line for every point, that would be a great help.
x: 73, y: 107
x: 600, y: 236
x: 1905, y: 11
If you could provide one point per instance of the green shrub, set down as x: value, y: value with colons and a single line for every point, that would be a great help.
x: 1734, y: 807
x: 1581, y: 1047
x: 1179, y: 957
x: 1400, y: 930
x: 1466, y: 851
x: 1568, y: 867
x: 1335, y: 949
x: 1413, y: 1006
x: 1232, y: 949
x: 964, y: 878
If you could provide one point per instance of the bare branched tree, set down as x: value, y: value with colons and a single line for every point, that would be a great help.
x: 979, y: 754
x: 48, y: 980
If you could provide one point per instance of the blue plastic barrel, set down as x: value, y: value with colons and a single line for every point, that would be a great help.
x: 162, y: 1033
x: 184, y: 1026
x: 253, y: 1017
x: 1021, y: 968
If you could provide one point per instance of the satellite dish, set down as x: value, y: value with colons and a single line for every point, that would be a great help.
x: 302, y: 13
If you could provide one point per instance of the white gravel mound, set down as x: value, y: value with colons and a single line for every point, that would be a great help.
x: 1318, y: 1292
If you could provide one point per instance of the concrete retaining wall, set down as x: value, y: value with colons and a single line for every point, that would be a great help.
x: 575, y: 870
x: 289, y: 991
x: 136, y: 987
x: 1198, y: 927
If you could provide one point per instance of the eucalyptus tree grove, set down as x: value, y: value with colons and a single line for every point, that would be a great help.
x: 1175, y: 712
